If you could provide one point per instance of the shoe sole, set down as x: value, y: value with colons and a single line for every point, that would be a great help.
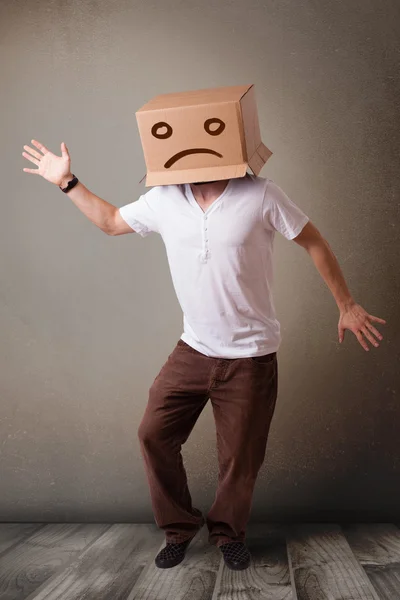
x: 237, y: 567
x: 168, y: 565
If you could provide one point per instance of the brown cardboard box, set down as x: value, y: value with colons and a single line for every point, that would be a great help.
x: 201, y: 135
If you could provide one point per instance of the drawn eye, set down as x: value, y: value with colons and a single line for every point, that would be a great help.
x: 161, y: 125
x: 213, y: 122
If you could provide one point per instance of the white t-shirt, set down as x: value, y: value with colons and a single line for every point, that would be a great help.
x: 221, y: 260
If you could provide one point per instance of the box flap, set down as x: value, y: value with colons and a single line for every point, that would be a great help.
x: 194, y: 97
x: 259, y: 158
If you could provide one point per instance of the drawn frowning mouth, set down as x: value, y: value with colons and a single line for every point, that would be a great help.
x: 183, y: 153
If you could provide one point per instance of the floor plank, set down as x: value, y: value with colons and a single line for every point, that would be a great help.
x: 268, y: 576
x: 12, y: 534
x: 193, y: 579
x: 315, y: 561
x: 377, y: 548
x: 323, y: 565
x: 24, y: 567
x: 109, y: 568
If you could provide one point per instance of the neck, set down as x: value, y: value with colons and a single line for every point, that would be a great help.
x: 208, y: 190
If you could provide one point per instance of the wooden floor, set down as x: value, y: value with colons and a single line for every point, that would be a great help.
x: 116, y: 562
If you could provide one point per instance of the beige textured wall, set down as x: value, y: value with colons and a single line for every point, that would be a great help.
x: 88, y: 320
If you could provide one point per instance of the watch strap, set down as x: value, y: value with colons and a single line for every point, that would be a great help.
x: 70, y: 184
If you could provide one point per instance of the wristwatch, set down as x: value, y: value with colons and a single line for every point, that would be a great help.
x: 70, y: 184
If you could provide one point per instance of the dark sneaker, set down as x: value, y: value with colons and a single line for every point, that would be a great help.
x: 172, y: 554
x: 236, y: 555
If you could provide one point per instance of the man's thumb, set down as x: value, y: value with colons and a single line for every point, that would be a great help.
x: 64, y: 149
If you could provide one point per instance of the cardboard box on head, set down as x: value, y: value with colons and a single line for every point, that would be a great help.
x: 201, y: 135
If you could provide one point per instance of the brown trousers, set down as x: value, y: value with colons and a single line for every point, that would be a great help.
x: 243, y: 394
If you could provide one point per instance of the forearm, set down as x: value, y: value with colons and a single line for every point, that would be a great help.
x: 329, y: 269
x: 97, y: 210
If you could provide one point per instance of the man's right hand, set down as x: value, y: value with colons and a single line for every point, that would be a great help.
x: 56, y: 169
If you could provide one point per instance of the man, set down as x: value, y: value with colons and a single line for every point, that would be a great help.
x: 219, y: 241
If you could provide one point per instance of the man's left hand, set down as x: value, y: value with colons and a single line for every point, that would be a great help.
x: 355, y: 318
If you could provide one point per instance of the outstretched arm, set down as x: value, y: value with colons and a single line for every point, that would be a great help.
x: 352, y: 315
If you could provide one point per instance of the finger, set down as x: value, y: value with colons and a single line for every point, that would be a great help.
x: 341, y: 334
x: 29, y: 157
x: 34, y: 171
x: 374, y: 331
x: 33, y: 152
x: 41, y: 147
x: 377, y: 319
x: 369, y: 336
x: 360, y: 338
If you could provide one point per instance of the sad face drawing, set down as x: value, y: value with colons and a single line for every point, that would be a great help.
x: 163, y: 130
